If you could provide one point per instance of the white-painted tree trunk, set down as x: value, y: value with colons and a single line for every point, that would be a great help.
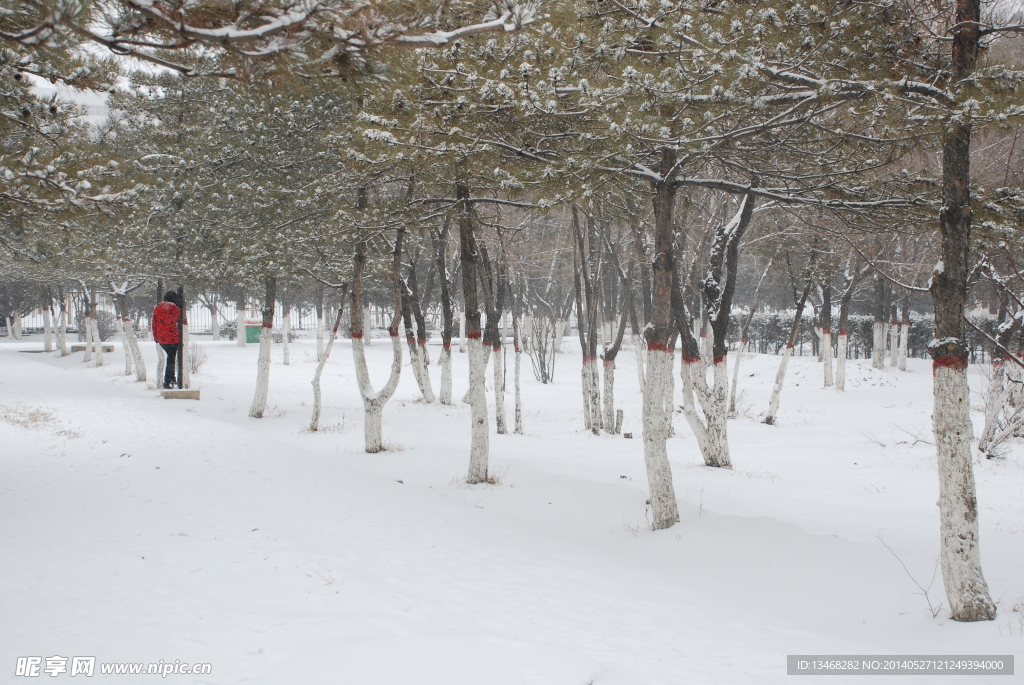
x: 462, y: 330
x: 609, y: 396
x: 995, y: 398
x: 670, y: 393
x: 240, y: 331
x: 124, y: 345
x: 62, y: 332
x: 446, y: 374
x: 368, y: 331
x: 373, y: 402
x: 10, y: 327
x: 736, y: 377
x: 186, y: 353
x: 479, y: 445
x: 711, y: 432
x: 517, y: 337
x: 878, y: 345
x: 87, y: 325
x: 960, y: 557
x: 560, y: 326
x: 97, y: 343
x: 639, y: 348
x: 320, y: 348
x: 47, y: 330
x: 500, y: 418
x: 780, y: 378
x: 904, y: 339
x: 259, y: 400
x: 214, y: 324
x: 595, y: 396
x: 321, y: 362
x: 664, y: 510
x: 841, y: 353
x: 826, y: 355
x: 420, y: 363
x: 286, y: 329
x: 161, y: 365
x: 133, y: 344
x: 18, y: 326
x: 894, y: 343
x: 1015, y: 394
x: 585, y: 371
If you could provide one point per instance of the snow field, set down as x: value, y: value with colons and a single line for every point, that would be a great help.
x: 139, y: 529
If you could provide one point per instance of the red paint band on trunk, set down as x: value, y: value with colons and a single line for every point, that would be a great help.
x: 789, y: 347
x: 719, y: 360
x: 474, y: 335
x: 955, y: 363
x: 846, y: 333
x: 421, y: 341
x: 496, y: 348
x: 827, y: 331
x: 334, y: 330
x: 268, y: 325
x: 609, y: 362
x: 357, y: 336
x: 516, y: 348
x: 691, y: 360
x: 998, y: 362
x: 393, y: 334
x: 743, y: 340
x: 587, y: 360
x: 447, y: 346
x: 657, y: 347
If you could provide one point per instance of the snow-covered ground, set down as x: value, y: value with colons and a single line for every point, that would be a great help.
x: 137, y: 529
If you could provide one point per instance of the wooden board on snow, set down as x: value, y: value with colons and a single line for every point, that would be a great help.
x: 81, y: 348
x: 180, y: 394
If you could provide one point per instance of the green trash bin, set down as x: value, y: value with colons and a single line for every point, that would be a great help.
x: 252, y: 332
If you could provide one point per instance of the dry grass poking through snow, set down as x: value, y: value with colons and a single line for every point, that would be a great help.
x: 34, y: 418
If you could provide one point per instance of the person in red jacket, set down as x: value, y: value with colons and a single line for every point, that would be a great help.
x: 167, y: 333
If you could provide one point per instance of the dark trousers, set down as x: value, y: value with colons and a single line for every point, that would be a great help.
x: 170, y: 377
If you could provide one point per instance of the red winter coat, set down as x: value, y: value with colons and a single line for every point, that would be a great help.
x: 165, y: 323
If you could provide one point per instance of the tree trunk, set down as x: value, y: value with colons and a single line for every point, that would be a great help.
x: 214, y: 321
x: 48, y: 328
x: 447, y: 307
x: 894, y: 337
x: 904, y: 337
x: 62, y: 330
x: 373, y: 402
x: 470, y: 255
x: 259, y: 400
x: 517, y: 343
x: 826, y: 332
x: 319, y: 304
x: 780, y: 376
x: 97, y: 343
x: 124, y: 344
x: 286, y: 329
x: 132, y: 342
x: 321, y: 362
x: 462, y: 330
x: 664, y: 510
x: 500, y: 418
x: 240, y: 332
x: 960, y: 554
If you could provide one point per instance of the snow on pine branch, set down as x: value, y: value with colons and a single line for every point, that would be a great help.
x: 149, y: 29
